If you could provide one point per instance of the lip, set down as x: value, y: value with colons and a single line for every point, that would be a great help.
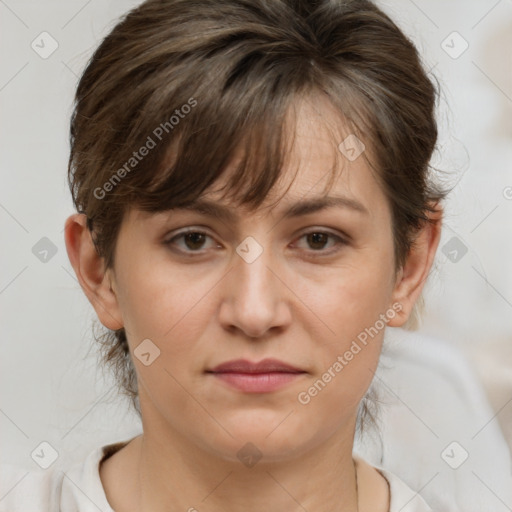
x: 250, y: 377
x: 264, y: 366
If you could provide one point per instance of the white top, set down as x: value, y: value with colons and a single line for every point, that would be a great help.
x: 79, y: 488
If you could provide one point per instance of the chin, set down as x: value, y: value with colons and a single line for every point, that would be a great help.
x: 263, y: 438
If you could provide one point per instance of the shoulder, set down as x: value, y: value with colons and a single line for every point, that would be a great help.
x: 22, y: 489
x: 402, y: 497
x: 77, y: 488
x: 383, y: 490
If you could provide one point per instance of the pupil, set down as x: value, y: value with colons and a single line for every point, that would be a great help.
x: 194, y: 238
x: 318, y: 238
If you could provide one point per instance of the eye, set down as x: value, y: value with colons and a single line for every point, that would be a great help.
x: 318, y: 240
x: 193, y: 241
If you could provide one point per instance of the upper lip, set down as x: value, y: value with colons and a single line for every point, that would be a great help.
x: 265, y: 366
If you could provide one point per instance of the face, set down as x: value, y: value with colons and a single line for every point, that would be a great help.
x: 313, y: 291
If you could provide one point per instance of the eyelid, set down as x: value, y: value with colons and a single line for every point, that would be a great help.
x: 341, y: 240
x: 184, y: 231
x: 335, y: 232
x: 204, y: 230
x: 188, y: 229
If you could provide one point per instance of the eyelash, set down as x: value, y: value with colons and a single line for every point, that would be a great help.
x: 313, y: 253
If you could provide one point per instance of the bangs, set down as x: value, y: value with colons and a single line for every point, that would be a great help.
x: 256, y: 145
x: 243, y: 120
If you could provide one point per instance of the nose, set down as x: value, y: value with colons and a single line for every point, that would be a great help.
x: 255, y: 299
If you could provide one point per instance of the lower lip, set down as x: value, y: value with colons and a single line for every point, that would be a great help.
x: 257, y: 382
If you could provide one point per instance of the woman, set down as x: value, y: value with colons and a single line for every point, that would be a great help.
x: 254, y: 208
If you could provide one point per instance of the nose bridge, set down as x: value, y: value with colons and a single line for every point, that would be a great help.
x: 252, y: 268
x: 252, y: 302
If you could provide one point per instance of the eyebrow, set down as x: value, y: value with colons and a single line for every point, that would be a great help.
x: 298, y: 209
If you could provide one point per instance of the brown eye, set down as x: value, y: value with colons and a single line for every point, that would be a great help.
x: 192, y: 241
x: 318, y: 241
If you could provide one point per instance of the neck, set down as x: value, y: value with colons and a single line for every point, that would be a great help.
x: 174, y: 471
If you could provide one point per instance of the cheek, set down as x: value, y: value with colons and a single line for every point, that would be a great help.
x: 166, y: 305
x: 349, y: 353
x: 349, y: 298
x: 348, y: 304
x: 170, y: 308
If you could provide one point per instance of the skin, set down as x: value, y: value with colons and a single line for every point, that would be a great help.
x: 288, y: 304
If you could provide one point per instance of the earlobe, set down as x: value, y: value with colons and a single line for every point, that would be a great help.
x: 94, y: 279
x: 412, y: 277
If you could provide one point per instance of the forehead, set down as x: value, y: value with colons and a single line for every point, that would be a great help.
x: 321, y: 161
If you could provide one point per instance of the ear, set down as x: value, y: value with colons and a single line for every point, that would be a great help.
x: 90, y: 272
x: 412, y: 276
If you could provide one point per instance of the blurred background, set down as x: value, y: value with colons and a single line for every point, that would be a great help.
x: 54, y: 389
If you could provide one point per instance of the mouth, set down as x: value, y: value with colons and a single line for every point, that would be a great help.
x: 263, y: 377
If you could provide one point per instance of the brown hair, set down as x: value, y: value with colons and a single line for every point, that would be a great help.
x: 193, y: 81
